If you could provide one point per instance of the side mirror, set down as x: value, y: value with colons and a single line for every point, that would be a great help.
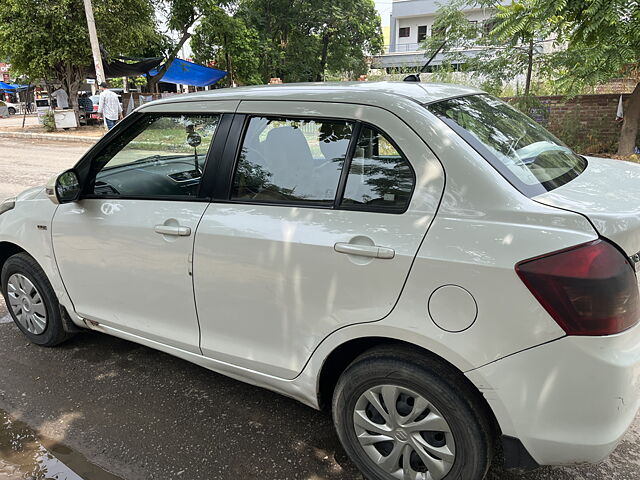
x: 64, y: 188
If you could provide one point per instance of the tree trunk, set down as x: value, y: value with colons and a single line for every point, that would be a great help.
x: 527, y: 85
x: 227, y: 59
x: 152, y: 81
x: 629, y: 131
x: 323, y: 59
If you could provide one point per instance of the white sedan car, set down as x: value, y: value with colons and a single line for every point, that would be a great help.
x: 424, y: 261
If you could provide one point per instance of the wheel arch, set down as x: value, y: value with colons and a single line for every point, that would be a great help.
x: 344, y: 354
x: 7, y: 250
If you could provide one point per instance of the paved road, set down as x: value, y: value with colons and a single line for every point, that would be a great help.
x: 24, y: 164
x: 142, y: 414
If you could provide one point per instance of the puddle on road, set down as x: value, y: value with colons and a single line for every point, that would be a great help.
x: 25, y: 455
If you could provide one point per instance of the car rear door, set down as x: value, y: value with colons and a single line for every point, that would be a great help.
x: 124, y: 250
x: 316, y: 219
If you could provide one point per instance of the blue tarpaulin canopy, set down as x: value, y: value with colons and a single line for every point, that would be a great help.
x: 11, y: 86
x: 187, y: 73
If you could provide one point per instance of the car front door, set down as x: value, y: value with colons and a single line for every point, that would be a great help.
x: 317, y: 229
x: 124, y: 249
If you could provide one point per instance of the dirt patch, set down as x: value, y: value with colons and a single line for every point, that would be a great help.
x: 85, y: 131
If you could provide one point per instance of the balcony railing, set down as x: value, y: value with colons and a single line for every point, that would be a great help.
x: 402, y: 48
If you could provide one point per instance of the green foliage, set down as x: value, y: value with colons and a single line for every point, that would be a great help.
x: 602, y: 39
x: 181, y: 16
x: 304, y: 40
x: 226, y: 40
x: 508, y: 44
x: 49, y: 38
x: 49, y: 121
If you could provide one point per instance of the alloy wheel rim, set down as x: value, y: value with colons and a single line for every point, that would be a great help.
x: 403, y: 433
x: 26, y: 304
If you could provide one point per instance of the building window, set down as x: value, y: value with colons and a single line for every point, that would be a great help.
x: 474, y: 26
x: 422, y: 33
x: 404, y: 32
x: 488, y: 25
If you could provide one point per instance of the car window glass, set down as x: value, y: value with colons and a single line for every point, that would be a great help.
x: 379, y: 177
x: 162, y: 155
x: 291, y: 161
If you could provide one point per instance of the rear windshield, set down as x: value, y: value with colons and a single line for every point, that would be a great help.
x: 532, y: 159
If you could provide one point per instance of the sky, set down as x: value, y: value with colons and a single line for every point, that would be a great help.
x: 384, y: 7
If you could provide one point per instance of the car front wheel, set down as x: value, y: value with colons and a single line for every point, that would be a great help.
x: 402, y: 415
x: 31, y: 301
x: 12, y: 111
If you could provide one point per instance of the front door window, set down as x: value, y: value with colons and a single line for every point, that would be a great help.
x: 160, y: 156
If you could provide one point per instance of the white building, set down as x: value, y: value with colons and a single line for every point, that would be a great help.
x: 411, y: 23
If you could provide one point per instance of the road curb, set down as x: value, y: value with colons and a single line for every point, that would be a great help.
x: 50, y: 137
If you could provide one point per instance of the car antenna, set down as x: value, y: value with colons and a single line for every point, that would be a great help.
x: 415, y: 77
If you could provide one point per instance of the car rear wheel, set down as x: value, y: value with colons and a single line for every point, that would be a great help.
x: 402, y: 415
x: 31, y: 301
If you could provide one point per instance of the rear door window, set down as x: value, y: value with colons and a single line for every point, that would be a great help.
x: 291, y: 161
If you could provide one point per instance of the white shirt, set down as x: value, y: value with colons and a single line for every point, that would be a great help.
x: 61, y: 97
x: 109, y: 105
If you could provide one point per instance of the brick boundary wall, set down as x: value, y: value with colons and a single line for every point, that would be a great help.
x: 586, y: 123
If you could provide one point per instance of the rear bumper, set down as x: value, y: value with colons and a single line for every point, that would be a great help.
x: 567, y: 401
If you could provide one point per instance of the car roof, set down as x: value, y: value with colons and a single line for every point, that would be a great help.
x: 366, y: 93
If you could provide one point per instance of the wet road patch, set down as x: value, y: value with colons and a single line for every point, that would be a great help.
x: 25, y: 455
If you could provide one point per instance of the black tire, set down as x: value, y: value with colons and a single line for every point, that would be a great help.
x: 443, y: 386
x: 54, y: 332
x: 12, y: 111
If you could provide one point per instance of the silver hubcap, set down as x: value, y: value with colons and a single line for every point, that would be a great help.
x: 403, y: 433
x: 26, y: 304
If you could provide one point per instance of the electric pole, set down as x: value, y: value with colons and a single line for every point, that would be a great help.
x: 95, y: 46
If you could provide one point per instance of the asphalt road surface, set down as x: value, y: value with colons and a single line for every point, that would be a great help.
x: 142, y: 414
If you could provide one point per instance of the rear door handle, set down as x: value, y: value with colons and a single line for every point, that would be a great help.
x: 373, y: 251
x: 173, y: 230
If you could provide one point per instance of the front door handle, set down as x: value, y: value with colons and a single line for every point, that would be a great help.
x: 173, y: 230
x: 373, y: 251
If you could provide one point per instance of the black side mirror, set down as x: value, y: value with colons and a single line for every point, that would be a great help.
x: 64, y: 188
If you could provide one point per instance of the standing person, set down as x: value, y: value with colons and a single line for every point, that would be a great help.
x: 62, y: 99
x: 109, y: 106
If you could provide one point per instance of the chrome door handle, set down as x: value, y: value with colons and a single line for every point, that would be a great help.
x: 173, y: 230
x: 365, y: 250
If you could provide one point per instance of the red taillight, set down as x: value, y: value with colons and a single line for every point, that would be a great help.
x: 588, y: 290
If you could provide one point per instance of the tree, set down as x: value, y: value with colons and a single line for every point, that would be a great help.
x: 603, y: 42
x: 347, y: 30
x: 300, y: 40
x: 501, y: 49
x: 181, y: 16
x: 226, y: 40
x: 49, y: 39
